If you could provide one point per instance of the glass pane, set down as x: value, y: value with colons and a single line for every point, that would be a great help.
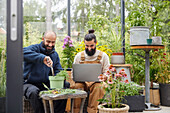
x: 2, y: 55
x: 2, y: 48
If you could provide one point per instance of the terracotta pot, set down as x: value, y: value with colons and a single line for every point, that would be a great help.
x: 102, y: 109
x: 117, y: 58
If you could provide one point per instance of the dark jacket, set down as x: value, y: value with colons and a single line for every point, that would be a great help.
x: 35, y: 71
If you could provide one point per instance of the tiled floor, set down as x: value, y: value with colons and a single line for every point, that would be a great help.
x: 164, y: 109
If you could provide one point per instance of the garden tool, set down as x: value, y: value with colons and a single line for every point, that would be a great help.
x: 52, y: 70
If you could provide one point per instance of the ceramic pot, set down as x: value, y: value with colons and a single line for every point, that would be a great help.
x: 102, y: 109
x: 164, y: 90
x: 156, y: 40
x: 117, y: 58
x: 138, y: 35
x: 136, y: 103
x: 149, y: 41
x: 56, y: 82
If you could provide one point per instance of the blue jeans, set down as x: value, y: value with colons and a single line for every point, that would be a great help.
x: 31, y: 92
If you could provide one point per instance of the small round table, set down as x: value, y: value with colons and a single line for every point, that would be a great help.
x: 147, y: 49
x: 50, y: 97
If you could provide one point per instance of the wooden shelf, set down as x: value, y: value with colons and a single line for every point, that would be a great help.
x: 147, y: 47
x: 122, y: 65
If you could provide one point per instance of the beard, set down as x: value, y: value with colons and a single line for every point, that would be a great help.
x: 48, y: 51
x: 90, y: 53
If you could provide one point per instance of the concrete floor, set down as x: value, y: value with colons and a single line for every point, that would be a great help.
x: 164, y: 109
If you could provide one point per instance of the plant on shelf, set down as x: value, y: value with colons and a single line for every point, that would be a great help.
x: 68, y: 52
x: 113, y: 91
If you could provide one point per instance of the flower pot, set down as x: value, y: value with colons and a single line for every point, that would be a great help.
x: 149, y: 41
x: 154, y: 96
x: 69, y: 79
x: 138, y: 35
x: 164, y: 94
x: 136, y: 103
x: 56, y: 82
x: 156, y: 40
x: 102, y: 109
x: 2, y: 104
x: 117, y: 58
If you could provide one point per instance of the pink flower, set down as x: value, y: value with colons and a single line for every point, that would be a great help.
x: 65, y: 43
x: 101, y: 77
x: 118, y: 75
x: 108, y: 73
x: 67, y: 37
x: 113, y: 69
x: 71, y: 45
x: 126, y: 81
x: 70, y: 41
x: 122, y: 72
x: 110, y: 81
x: 65, y: 40
x: 63, y: 46
x: 164, y: 53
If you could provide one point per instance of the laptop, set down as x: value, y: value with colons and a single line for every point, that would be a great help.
x: 86, y: 72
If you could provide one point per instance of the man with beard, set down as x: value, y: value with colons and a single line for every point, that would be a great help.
x: 38, y: 59
x: 91, y: 55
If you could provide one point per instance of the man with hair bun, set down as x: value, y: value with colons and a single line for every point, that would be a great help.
x: 92, y: 56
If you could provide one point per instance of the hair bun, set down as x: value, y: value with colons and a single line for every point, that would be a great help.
x: 91, y: 31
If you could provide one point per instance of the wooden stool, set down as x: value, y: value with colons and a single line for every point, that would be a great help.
x: 50, y: 97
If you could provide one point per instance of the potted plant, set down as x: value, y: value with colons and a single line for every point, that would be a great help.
x: 112, y: 100
x: 2, y: 81
x: 133, y: 96
x: 117, y: 55
x: 2, y: 92
x: 58, y: 80
x: 139, y: 33
x: 163, y: 78
x: 68, y: 52
x: 68, y: 55
x: 154, y: 68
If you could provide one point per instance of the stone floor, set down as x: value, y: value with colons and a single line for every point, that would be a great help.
x: 164, y: 109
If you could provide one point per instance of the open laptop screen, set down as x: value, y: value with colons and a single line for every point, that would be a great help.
x: 86, y: 72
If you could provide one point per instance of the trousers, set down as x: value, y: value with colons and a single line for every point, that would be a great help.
x: 96, y: 92
x: 31, y: 92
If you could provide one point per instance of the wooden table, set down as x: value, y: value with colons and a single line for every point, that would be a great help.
x: 147, y: 49
x: 50, y: 97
